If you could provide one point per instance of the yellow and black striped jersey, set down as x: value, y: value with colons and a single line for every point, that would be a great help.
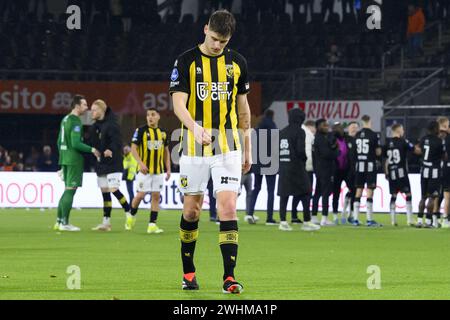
x: 150, y: 144
x: 212, y: 84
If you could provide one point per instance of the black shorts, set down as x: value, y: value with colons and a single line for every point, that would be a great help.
x: 399, y: 185
x: 430, y: 187
x: 363, y: 178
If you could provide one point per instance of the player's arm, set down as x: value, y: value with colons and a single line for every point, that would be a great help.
x: 167, y: 162
x: 142, y: 167
x: 77, y: 143
x: 113, y: 139
x: 180, y: 100
x: 244, y: 115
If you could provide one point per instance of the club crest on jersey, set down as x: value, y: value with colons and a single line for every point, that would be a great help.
x: 230, y: 70
x: 183, y: 181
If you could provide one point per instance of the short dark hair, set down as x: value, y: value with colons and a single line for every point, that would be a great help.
x: 365, y: 118
x: 152, y: 109
x: 353, y: 122
x: 76, y: 100
x: 269, y: 113
x: 222, y: 22
x: 319, y: 122
x: 395, y: 126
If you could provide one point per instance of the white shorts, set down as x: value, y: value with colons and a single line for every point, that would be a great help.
x: 110, y: 180
x: 149, y: 182
x: 225, y: 170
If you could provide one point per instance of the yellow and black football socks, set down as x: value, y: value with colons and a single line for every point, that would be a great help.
x: 188, y: 237
x: 123, y: 201
x: 107, y: 205
x: 228, y: 241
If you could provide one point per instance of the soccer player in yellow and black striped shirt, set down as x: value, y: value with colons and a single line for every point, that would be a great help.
x: 149, y: 146
x: 209, y: 86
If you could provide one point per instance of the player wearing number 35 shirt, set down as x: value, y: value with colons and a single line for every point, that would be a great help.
x: 395, y: 152
x: 368, y: 147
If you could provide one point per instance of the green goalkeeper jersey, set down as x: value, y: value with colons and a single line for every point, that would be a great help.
x: 70, y: 141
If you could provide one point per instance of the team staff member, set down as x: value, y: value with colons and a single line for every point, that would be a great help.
x: 209, y: 87
x: 150, y: 148
x: 293, y: 178
x: 105, y: 136
x: 325, y: 153
x: 130, y: 167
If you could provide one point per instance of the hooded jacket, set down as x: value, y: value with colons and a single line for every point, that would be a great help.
x: 105, y: 135
x: 293, y: 178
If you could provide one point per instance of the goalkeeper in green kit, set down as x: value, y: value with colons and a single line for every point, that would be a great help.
x: 70, y: 146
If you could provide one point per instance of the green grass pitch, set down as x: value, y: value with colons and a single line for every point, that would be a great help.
x: 329, y: 264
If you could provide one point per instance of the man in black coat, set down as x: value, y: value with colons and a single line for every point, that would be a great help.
x: 293, y: 178
x: 325, y: 153
x: 105, y: 136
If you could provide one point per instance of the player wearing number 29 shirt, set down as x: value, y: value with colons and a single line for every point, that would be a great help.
x: 368, y: 148
x: 396, y: 169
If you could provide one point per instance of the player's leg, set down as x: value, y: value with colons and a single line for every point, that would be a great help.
x: 194, y: 176
x: 349, y: 197
x: 102, y: 183
x: 188, y: 236
x: 156, y: 189
x: 406, y: 189
x: 371, y: 185
x: 73, y: 178
x: 114, y: 185
x: 154, y: 209
x: 424, y: 196
x: 360, y: 181
x: 131, y: 216
x: 143, y: 186
x: 392, y: 206
x: 228, y: 165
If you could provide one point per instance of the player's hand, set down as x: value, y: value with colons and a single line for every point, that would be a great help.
x: 201, y: 135
x: 107, y: 153
x: 167, y: 175
x: 60, y: 174
x: 143, y: 168
x: 96, y: 153
x: 247, y: 164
